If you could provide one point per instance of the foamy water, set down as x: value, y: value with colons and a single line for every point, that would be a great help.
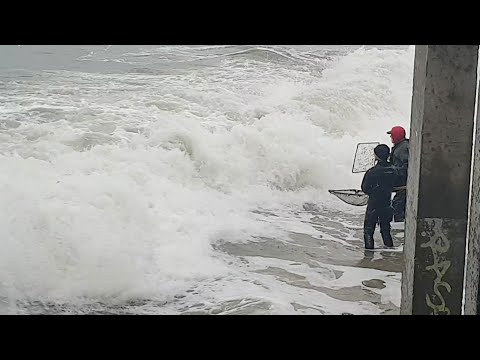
x: 120, y: 168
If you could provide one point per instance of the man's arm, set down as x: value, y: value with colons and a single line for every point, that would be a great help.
x: 402, y: 157
x: 366, y: 182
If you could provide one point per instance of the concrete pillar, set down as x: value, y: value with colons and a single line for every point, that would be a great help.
x: 443, y: 105
x: 472, y: 298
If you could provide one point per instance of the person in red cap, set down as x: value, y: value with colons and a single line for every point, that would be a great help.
x: 399, y: 160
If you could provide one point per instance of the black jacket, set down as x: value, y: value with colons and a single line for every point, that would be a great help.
x: 399, y: 160
x: 378, y: 184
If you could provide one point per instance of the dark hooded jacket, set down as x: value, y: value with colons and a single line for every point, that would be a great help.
x: 399, y: 160
x: 378, y: 184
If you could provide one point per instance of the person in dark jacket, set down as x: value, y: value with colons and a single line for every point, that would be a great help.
x: 399, y: 160
x: 378, y: 185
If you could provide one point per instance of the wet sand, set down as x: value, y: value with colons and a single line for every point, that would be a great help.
x: 326, y: 271
x: 320, y: 251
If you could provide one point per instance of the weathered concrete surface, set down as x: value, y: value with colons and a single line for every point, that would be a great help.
x: 472, y: 298
x: 439, y: 177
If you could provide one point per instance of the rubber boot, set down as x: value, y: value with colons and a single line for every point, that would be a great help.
x: 369, y: 243
x: 387, y: 239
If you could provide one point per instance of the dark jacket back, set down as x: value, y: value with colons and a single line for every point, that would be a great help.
x: 378, y: 184
x: 399, y: 160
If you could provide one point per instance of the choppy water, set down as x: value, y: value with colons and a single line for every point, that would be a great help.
x: 125, y: 169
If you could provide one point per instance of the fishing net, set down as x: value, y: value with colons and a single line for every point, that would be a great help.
x: 364, y: 157
x: 351, y: 196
